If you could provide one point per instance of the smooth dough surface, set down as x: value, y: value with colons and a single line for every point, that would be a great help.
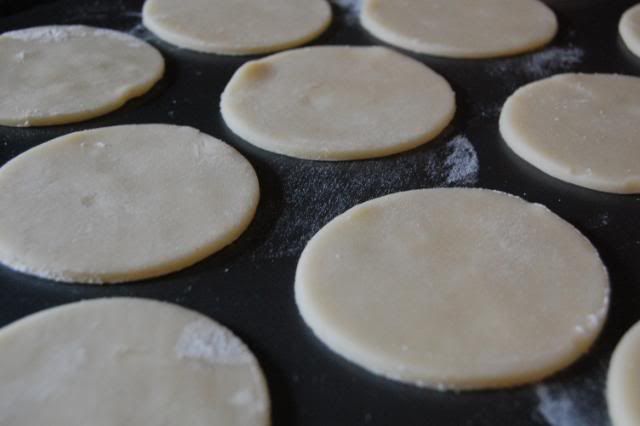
x: 461, y: 28
x: 123, y: 203
x: 237, y: 27
x: 337, y: 103
x: 630, y: 29
x: 580, y: 128
x: 64, y: 74
x: 453, y: 288
x: 127, y: 362
x: 623, y: 381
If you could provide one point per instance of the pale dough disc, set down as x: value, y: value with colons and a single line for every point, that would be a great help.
x: 453, y: 288
x: 127, y: 362
x: 237, y: 27
x: 337, y: 103
x: 64, y: 74
x: 580, y: 128
x: 123, y: 203
x: 630, y: 29
x: 461, y: 28
x: 623, y: 382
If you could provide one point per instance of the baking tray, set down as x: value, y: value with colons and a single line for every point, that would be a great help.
x: 249, y: 285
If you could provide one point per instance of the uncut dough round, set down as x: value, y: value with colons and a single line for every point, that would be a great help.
x: 238, y: 27
x: 453, y: 288
x: 127, y: 361
x: 630, y: 29
x: 337, y: 103
x: 461, y: 28
x: 580, y: 128
x: 123, y: 203
x: 64, y: 74
x: 623, y: 381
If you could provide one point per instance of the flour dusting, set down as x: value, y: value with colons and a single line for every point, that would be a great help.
x: 351, y: 8
x: 568, y: 408
x: 56, y: 34
x: 315, y: 192
x: 203, y: 340
x: 540, y: 64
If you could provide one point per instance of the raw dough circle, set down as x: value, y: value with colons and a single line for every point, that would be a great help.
x: 123, y: 203
x: 579, y: 128
x: 453, y: 288
x: 127, y: 361
x: 337, y: 103
x: 623, y: 381
x: 630, y: 29
x: 238, y: 27
x: 461, y: 28
x: 64, y: 74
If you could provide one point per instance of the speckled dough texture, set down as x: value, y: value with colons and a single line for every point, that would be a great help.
x: 453, y: 288
x: 123, y: 203
x: 630, y: 29
x: 461, y: 28
x: 580, y: 128
x: 623, y: 381
x: 64, y: 74
x: 127, y: 362
x: 337, y: 103
x: 237, y: 27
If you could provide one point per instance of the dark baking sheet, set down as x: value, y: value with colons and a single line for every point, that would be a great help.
x: 249, y: 285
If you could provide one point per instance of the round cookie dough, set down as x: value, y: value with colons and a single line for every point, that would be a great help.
x: 64, y: 74
x: 123, y: 203
x: 461, y: 28
x: 127, y: 362
x: 453, y: 288
x: 623, y: 381
x: 238, y: 27
x: 630, y: 29
x: 337, y: 103
x: 580, y: 128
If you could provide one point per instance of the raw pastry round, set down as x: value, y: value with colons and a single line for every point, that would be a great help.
x: 630, y: 29
x: 337, y: 103
x: 64, y: 74
x: 579, y: 128
x: 238, y: 27
x: 453, y: 288
x: 127, y: 362
x: 623, y: 382
x: 461, y: 28
x: 122, y: 203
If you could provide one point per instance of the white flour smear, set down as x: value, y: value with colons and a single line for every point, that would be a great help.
x: 540, y: 64
x: 351, y: 8
x: 566, y: 408
x: 313, y: 193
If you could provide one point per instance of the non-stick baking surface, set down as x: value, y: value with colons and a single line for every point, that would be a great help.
x: 249, y: 285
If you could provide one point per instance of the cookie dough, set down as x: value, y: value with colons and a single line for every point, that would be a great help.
x: 127, y: 362
x: 580, y: 128
x: 453, y: 288
x: 623, y: 382
x: 64, y: 74
x: 238, y: 27
x: 122, y: 203
x: 461, y: 28
x: 337, y: 103
x: 630, y: 29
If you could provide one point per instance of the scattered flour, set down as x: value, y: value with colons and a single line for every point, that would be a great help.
x: 213, y: 344
x: 540, y: 64
x: 351, y: 9
x: 565, y: 408
x: 313, y: 192
x: 56, y: 34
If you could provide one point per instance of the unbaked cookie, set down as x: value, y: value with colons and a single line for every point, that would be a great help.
x: 623, y: 382
x: 64, y: 74
x: 453, y: 288
x: 580, y: 128
x: 123, y: 203
x: 630, y: 29
x: 461, y: 28
x: 127, y: 362
x: 337, y: 103
x: 238, y: 27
